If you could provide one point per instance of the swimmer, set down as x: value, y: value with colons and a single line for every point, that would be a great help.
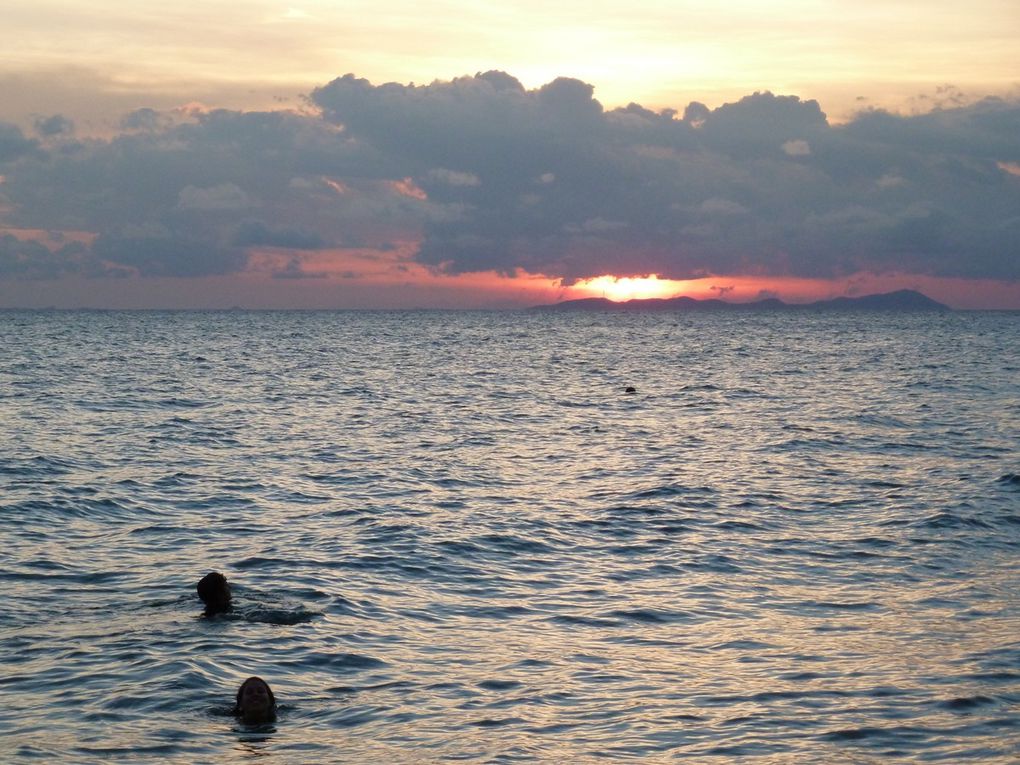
x: 215, y: 593
x: 255, y: 701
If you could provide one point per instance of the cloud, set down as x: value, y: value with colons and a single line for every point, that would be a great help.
x: 890, y: 180
x: 716, y: 206
x: 225, y: 196
x: 23, y: 259
x: 13, y: 143
x: 797, y: 148
x: 294, y: 270
x: 145, y: 119
x: 452, y: 177
x: 255, y: 233
x: 486, y: 175
x: 167, y: 256
x: 53, y: 126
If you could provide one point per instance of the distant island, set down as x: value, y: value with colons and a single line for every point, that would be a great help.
x: 901, y: 300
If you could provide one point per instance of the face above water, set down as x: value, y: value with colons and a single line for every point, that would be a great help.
x: 254, y: 699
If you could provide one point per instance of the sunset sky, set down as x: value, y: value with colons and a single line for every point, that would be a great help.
x: 453, y: 154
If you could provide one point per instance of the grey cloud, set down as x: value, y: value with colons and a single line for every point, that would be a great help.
x: 294, y: 270
x: 764, y: 184
x: 54, y: 125
x: 173, y: 198
x: 224, y: 196
x: 168, y: 256
x: 452, y: 177
x: 761, y: 124
x: 145, y: 119
x: 987, y: 130
x: 716, y: 206
x: 545, y: 180
x: 13, y: 143
x: 32, y: 260
x: 489, y: 121
x: 257, y: 234
x: 797, y: 148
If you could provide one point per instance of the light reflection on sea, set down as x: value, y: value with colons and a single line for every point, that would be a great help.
x: 453, y: 536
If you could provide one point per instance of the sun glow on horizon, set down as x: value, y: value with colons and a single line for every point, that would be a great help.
x: 623, y: 288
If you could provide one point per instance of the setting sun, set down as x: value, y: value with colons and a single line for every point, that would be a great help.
x: 621, y: 288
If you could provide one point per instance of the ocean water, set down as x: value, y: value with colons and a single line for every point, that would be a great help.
x: 453, y: 537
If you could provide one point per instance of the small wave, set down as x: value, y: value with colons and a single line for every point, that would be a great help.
x: 490, y: 722
x: 631, y: 551
x: 177, y: 479
x: 585, y: 621
x: 280, y: 616
x: 966, y: 703
x: 340, y: 662
x: 260, y: 562
x: 499, y: 685
x: 851, y: 734
x: 38, y: 466
x: 998, y: 677
x: 498, y: 612
x: 89, y: 509
x: 801, y: 444
x: 719, y: 564
x: 670, y: 490
x: 742, y: 645
x: 515, y: 544
x: 131, y: 751
x: 353, y: 689
x: 183, y: 403
x: 948, y: 520
x: 830, y: 605
x: 747, y: 393
x: 882, y: 420
x: 738, y: 526
x: 798, y: 428
x: 650, y: 616
x: 553, y: 729
x: 882, y: 484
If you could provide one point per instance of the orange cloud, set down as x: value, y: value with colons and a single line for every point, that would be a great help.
x: 50, y: 239
x: 408, y: 188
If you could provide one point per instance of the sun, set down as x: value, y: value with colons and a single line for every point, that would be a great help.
x: 621, y: 288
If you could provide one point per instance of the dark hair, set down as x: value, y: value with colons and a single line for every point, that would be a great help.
x: 213, y: 589
x: 254, y: 679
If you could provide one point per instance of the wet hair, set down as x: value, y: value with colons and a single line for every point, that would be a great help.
x: 269, y: 691
x: 214, y: 592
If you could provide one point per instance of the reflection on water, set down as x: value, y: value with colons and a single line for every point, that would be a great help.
x: 253, y: 740
x: 455, y: 536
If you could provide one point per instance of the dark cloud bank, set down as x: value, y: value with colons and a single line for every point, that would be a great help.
x: 544, y: 180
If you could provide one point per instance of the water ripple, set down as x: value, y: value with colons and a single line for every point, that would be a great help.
x: 454, y: 537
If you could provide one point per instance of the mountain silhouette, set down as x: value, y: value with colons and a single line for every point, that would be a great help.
x: 901, y: 300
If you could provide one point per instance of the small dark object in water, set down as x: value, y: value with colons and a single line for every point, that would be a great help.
x: 214, y: 592
x: 630, y: 389
x: 255, y: 701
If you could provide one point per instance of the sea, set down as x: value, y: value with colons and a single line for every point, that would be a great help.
x: 458, y: 537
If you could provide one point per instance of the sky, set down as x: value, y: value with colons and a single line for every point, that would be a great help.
x: 482, y: 155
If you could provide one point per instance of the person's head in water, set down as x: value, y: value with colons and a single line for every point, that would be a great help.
x: 214, y: 592
x: 255, y: 701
